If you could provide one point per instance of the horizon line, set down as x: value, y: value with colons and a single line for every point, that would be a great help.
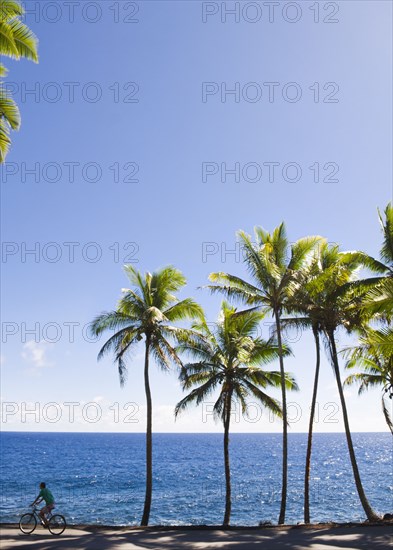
x: 189, y: 433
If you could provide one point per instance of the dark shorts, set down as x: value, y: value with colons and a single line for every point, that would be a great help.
x: 48, y: 508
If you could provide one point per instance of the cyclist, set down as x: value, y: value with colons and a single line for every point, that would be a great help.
x: 46, y: 495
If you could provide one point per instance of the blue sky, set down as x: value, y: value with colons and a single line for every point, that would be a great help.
x: 86, y: 137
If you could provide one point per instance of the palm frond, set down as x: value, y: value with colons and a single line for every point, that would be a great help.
x: 9, y: 110
x: 387, y: 230
x: 10, y: 9
x: 301, y: 251
x: 302, y: 323
x: 164, y: 353
x: 168, y: 279
x: 379, y: 299
x: 25, y: 40
x: 192, y: 374
x: 270, y: 403
x: 5, y: 141
x: 234, y: 293
x: 110, y: 320
x: 118, y: 342
x: 364, y: 380
x: 196, y: 349
x: 231, y: 281
x: 122, y: 370
x: 7, y: 42
x: 197, y: 395
x: 220, y: 408
x: 185, y: 309
x: 369, y: 262
x: 264, y: 352
x: 387, y: 415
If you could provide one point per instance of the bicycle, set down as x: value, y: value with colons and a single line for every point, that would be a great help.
x: 28, y: 522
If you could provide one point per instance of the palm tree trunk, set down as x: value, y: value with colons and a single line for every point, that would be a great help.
x: 227, y: 420
x: 284, y: 488
x: 149, y: 443
x: 371, y: 515
x: 310, y: 429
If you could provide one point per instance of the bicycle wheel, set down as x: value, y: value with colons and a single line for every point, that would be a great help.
x: 57, y: 524
x: 27, y: 523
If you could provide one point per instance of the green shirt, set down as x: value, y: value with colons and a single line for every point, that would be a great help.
x: 47, y: 496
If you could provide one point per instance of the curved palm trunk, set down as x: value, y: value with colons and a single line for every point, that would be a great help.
x: 228, y: 505
x: 284, y: 488
x: 371, y: 515
x: 149, y: 443
x: 310, y: 430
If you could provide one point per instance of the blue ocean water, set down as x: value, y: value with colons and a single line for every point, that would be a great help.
x: 99, y: 478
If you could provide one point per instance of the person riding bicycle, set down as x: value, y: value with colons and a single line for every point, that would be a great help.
x: 46, y: 495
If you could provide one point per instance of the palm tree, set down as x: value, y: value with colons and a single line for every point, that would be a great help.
x: 276, y: 280
x: 145, y: 312
x: 228, y: 358
x: 306, y: 303
x: 340, y: 305
x: 328, y: 299
x: 16, y: 41
x: 375, y: 354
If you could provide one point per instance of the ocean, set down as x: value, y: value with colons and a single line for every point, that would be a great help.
x: 99, y: 478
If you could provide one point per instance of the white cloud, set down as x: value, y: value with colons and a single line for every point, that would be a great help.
x: 35, y: 353
x: 99, y: 398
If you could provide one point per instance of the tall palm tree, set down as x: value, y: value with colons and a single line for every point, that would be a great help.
x: 228, y: 358
x: 276, y: 279
x: 305, y: 304
x: 16, y: 41
x: 145, y: 312
x: 375, y: 354
x: 327, y: 300
x: 340, y: 306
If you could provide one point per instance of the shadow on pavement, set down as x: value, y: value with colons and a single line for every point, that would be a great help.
x: 360, y: 537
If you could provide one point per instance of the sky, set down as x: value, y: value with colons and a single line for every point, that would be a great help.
x: 151, y: 133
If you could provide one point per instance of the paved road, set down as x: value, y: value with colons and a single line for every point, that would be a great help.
x: 312, y: 538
